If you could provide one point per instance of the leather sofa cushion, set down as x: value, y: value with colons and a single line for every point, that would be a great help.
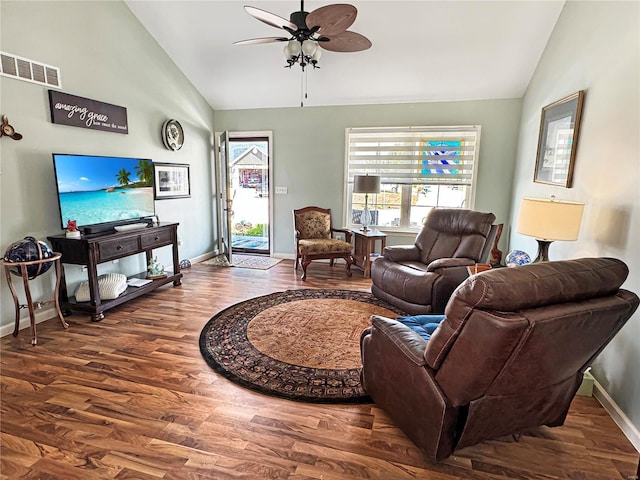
x: 409, y: 281
x: 544, y: 283
x: 453, y: 234
x: 531, y: 286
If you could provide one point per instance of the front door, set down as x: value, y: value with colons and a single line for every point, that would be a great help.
x: 225, y: 199
x: 248, y: 178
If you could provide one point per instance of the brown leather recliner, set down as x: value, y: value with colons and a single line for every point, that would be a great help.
x: 420, y: 278
x: 508, y: 356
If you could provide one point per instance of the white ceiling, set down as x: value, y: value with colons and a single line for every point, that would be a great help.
x: 423, y: 51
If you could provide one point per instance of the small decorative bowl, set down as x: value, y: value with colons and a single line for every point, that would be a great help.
x: 517, y: 258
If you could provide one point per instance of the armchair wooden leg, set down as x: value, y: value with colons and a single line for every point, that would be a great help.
x: 349, y: 260
x: 305, y: 264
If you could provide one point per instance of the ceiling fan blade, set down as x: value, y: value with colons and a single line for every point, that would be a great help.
x: 346, y: 42
x: 332, y: 19
x: 254, y: 41
x: 270, y: 18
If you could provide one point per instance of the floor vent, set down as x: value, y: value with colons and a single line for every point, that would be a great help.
x: 29, y: 70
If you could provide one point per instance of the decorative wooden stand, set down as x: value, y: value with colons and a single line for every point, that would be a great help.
x: 93, y: 249
x: 30, y: 305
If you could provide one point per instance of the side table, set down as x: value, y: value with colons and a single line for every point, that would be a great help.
x: 364, y: 245
x: 30, y: 305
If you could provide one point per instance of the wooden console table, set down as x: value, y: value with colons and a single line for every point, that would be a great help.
x: 90, y: 250
x: 30, y: 304
x: 364, y: 245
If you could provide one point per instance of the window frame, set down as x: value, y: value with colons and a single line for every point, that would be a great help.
x: 406, y: 189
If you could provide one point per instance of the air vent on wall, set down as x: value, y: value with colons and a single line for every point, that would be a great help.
x: 29, y: 70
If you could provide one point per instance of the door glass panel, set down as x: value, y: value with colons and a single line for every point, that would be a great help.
x: 249, y: 179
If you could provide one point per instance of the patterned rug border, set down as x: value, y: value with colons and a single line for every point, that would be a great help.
x: 267, y: 301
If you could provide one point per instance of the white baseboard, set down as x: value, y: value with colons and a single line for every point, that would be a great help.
x: 25, y: 322
x: 284, y: 256
x: 616, y: 413
x: 203, y: 257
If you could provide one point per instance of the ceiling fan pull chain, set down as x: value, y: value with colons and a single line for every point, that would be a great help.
x: 302, y: 92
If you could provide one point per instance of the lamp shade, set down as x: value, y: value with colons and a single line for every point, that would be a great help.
x: 366, y: 184
x: 550, y: 219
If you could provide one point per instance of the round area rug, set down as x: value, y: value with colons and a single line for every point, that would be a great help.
x: 300, y: 344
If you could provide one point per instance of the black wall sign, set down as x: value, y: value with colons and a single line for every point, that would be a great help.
x: 86, y: 113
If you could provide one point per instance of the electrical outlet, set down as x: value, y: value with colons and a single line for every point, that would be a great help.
x: 281, y: 190
x: 115, y: 261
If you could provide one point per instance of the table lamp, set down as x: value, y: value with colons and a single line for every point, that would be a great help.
x: 548, y: 220
x: 366, y: 184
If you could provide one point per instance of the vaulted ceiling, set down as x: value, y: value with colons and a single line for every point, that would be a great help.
x: 423, y: 51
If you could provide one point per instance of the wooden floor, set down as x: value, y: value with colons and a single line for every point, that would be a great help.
x: 131, y: 398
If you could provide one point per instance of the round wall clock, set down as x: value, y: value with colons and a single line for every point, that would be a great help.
x: 172, y: 134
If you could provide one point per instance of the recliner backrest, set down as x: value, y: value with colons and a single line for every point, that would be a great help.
x: 510, y: 331
x: 453, y: 233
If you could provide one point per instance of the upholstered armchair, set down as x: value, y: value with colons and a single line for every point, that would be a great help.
x: 508, y: 355
x: 314, y: 237
x: 420, y: 278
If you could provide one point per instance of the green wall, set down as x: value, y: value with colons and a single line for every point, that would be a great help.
x: 104, y: 54
x: 595, y: 47
x: 309, y: 151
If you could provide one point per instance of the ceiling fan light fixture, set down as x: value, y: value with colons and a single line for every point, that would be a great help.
x: 323, y: 28
x: 309, y: 48
x: 293, y: 48
x: 316, y: 56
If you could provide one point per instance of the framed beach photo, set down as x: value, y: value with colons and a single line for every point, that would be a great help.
x: 171, y: 180
x: 558, y: 140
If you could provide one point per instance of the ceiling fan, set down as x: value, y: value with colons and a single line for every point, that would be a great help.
x: 325, y: 27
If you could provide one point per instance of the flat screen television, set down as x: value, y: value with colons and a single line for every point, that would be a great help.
x: 100, y: 192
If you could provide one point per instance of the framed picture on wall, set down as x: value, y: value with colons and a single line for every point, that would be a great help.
x: 558, y: 140
x: 171, y: 180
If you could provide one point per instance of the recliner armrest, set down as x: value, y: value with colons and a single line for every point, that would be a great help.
x: 406, y: 340
x: 401, y: 253
x: 449, y: 262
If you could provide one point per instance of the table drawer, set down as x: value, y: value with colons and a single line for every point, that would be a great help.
x: 117, y: 248
x: 155, y: 239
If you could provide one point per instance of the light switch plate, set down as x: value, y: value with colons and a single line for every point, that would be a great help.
x: 281, y: 190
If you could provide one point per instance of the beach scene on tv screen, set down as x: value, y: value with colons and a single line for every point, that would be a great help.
x: 104, y: 189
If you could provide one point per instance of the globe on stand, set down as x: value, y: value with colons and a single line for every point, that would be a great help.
x: 26, y: 250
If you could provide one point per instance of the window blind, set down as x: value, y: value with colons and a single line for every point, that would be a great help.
x: 414, y: 155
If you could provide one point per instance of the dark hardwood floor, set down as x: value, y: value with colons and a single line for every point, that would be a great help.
x: 131, y: 398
